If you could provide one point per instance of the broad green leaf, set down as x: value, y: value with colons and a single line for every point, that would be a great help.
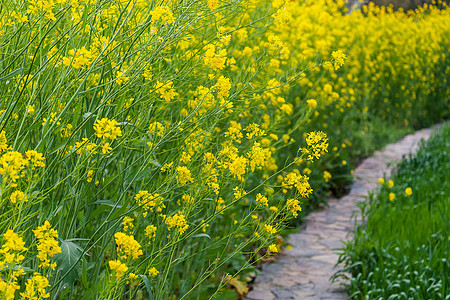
x: 69, y: 262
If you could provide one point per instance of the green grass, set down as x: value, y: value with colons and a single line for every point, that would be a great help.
x: 402, y: 249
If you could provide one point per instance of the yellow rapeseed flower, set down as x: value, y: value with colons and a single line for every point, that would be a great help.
x: 35, y: 288
x: 149, y: 201
x: 178, y: 221
x: 3, y: 142
x: 238, y: 166
x: 326, y: 176
x: 36, y: 159
x: 107, y: 129
x: 152, y: 272
x: 273, y: 248
x: 119, y: 268
x: 311, y: 103
x: 390, y: 184
x: 391, y: 196
x: 269, y: 229
x: 17, y: 197
x: 408, y: 191
x: 127, y: 224
x: 127, y: 246
x: 261, y: 200
x: 47, y: 244
x: 293, y: 206
x: 150, y: 232
x: 184, y: 175
x: 234, y: 132
x: 13, y: 243
x: 163, y: 13
x: 317, y: 142
x: 11, y: 163
x: 213, y: 59
x: 165, y: 90
x: 338, y: 58
x: 106, y: 148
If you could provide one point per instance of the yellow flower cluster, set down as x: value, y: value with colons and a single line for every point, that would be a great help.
x: 253, y: 131
x: 338, y: 59
x: 47, y: 244
x: 12, y: 163
x: 107, y: 129
x: 11, y: 249
x: 165, y: 90
x: 234, y: 131
x: 85, y: 147
x: 118, y: 268
x: 156, y: 128
x: 223, y: 86
x: 35, y: 288
x: 12, y: 256
x: 238, y: 165
x: 36, y: 159
x: 262, y: 200
x: 326, y: 176
x: 127, y: 249
x: 273, y: 248
x: 3, y: 141
x: 149, y: 201
x: 152, y: 272
x: 184, y: 175
x: 391, y: 196
x: 293, y: 206
x: 150, y: 232
x: 162, y: 13
x: 258, y: 156
x: 301, y: 182
x: 408, y: 191
x: 177, y: 221
x: 18, y: 197
x: 66, y: 131
x: 187, y: 200
x: 317, y: 145
x: 269, y: 229
x: 79, y: 58
x: 8, y: 289
x: 127, y: 246
x: 127, y: 224
x: 215, y: 60
x: 38, y: 6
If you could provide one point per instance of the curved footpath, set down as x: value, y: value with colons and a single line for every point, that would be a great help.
x: 304, y: 271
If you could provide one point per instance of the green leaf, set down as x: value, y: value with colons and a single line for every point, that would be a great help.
x: 26, y: 269
x: 202, y: 235
x: 69, y: 263
x: 148, y: 286
x: 107, y: 202
x: 16, y: 71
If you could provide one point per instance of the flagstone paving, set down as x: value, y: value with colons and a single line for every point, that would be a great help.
x: 304, y: 271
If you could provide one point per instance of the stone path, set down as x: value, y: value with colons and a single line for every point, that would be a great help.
x: 304, y: 271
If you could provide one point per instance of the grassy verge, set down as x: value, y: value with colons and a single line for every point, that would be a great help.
x: 401, y: 251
